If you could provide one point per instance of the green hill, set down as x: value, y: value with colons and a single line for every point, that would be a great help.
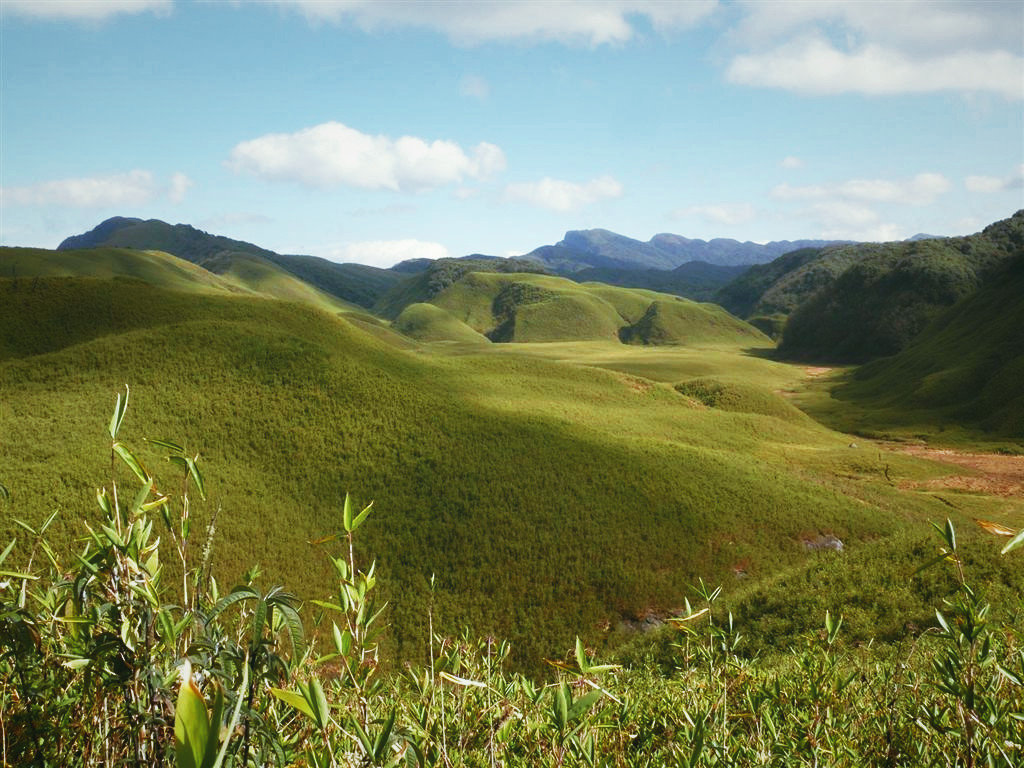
x: 514, y: 307
x: 877, y: 305
x: 548, y: 499
x: 153, y: 267
x: 961, y: 379
x: 425, y: 322
x: 352, y: 283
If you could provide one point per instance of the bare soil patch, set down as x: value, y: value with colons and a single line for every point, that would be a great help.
x: 994, y: 473
x: 814, y: 371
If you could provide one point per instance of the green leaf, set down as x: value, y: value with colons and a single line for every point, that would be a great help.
x: 346, y: 516
x: 362, y: 516
x: 318, y: 702
x: 560, y: 705
x: 296, y: 634
x: 118, y: 415
x: 197, y: 477
x: 191, y: 723
x: 295, y: 700
x: 131, y: 461
x: 168, y: 445
x: 583, y: 704
x: 7, y: 550
x: 1013, y: 543
x: 4, y: 493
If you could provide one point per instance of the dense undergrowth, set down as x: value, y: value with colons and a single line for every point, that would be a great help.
x: 106, y: 660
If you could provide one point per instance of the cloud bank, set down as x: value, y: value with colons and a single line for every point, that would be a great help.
x: 84, y: 10
x: 467, y: 22
x: 131, y: 188
x: 558, y: 195
x: 332, y: 154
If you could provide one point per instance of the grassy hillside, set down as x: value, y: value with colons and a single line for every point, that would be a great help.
x: 961, y: 379
x: 352, y: 283
x: 695, y: 280
x: 153, y: 267
x: 877, y: 305
x: 425, y: 322
x: 512, y: 307
x: 550, y: 498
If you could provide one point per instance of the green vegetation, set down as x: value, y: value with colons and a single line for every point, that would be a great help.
x: 959, y: 381
x: 879, y: 304
x: 425, y: 322
x: 352, y: 283
x: 104, y: 662
x: 515, y: 307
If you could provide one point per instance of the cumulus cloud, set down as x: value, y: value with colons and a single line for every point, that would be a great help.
x: 84, y: 10
x: 724, y: 215
x: 332, y: 154
x: 468, y: 22
x: 995, y: 183
x: 383, y: 253
x: 880, y: 48
x: 922, y: 189
x: 558, y: 195
x: 132, y: 188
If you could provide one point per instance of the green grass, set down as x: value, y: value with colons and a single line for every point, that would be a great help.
x: 541, y: 308
x: 425, y: 322
x: 551, y: 488
x: 958, y: 383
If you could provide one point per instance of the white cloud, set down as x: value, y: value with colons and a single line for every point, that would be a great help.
x: 994, y: 183
x: 84, y: 10
x: 469, y: 22
x: 881, y: 48
x: 558, y: 195
x: 178, y: 187
x: 839, y: 220
x: 474, y: 87
x: 816, y: 67
x: 132, y: 188
x: 922, y: 189
x: 333, y: 154
x: 726, y: 215
x: 383, y: 253
x: 792, y: 162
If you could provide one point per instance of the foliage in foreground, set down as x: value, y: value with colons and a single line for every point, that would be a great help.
x: 104, y: 661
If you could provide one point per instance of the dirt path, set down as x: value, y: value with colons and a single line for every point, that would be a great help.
x: 998, y: 474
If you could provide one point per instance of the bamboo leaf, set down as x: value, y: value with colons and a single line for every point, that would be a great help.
x: 7, y: 550
x: 197, y: 477
x: 168, y: 445
x: 295, y: 700
x: 346, y: 516
x: 362, y: 516
x: 131, y: 461
x: 191, y: 723
x: 1013, y: 543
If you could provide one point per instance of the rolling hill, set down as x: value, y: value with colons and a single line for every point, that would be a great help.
x: 891, y: 291
x: 552, y: 489
x: 517, y: 307
x: 352, y: 283
x: 961, y: 378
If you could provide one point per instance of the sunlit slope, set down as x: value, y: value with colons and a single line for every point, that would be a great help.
x: 541, y: 308
x: 153, y: 267
x: 547, y: 498
x: 261, y: 276
x: 426, y: 322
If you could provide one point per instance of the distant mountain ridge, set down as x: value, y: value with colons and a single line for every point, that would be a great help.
x: 602, y: 249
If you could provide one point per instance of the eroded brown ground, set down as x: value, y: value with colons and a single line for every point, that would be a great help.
x: 997, y: 474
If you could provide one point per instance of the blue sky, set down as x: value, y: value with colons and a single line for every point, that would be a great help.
x: 377, y: 131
